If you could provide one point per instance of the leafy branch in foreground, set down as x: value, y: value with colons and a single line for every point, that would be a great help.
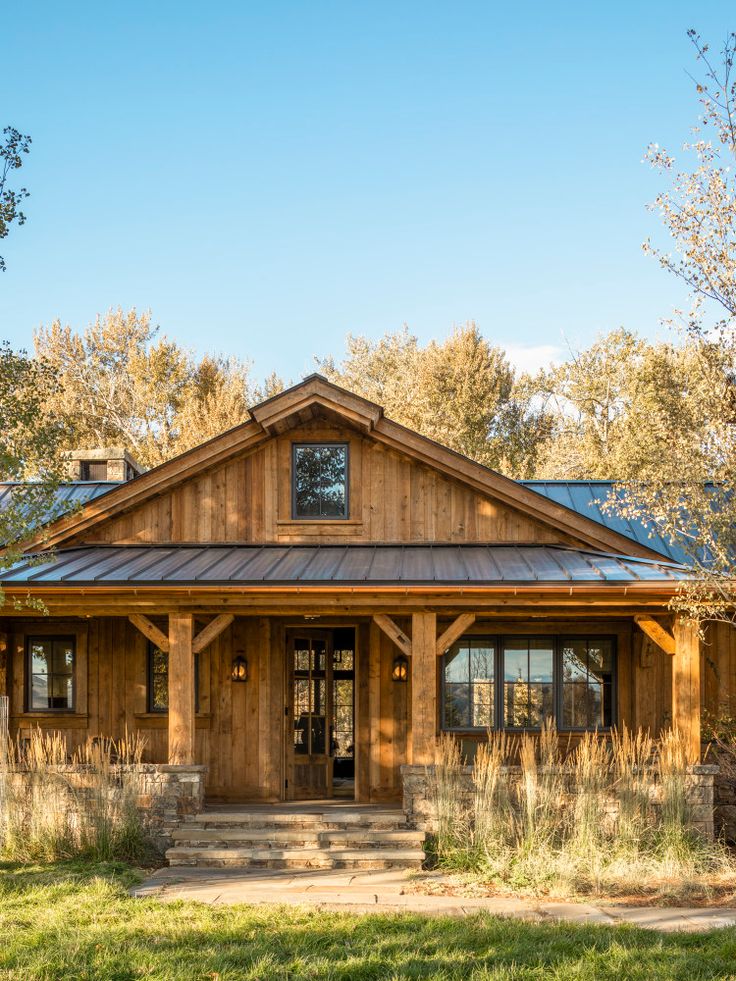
x: 688, y: 490
x: 12, y: 149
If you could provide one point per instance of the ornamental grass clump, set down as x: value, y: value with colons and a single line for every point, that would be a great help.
x: 449, y: 801
x: 492, y: 815
x: 632, y: 755
x: 51, y: 808
x: 612, y: 816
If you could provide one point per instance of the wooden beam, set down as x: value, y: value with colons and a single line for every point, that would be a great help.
x: 157, y: 637
x: 181, y: 689
x: 656, y: 632
x: 456, y: 629
x: 393, y: 632
x: 686, y: 696
x: 213, y: 630
x: 423, y: 687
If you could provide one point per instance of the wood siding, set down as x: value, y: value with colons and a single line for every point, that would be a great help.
x: 392, y: 499
x: 240, y: 730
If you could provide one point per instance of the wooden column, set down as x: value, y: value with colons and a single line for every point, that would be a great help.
x: 423, y: 687
x: 686, y: 684
x: 181, y: 689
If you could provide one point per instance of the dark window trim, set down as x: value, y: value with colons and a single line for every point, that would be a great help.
x: 317, y: 517
x: 559, y: 684
x: 59, y: 638
x: 150, y: 707
x: 556, y: 642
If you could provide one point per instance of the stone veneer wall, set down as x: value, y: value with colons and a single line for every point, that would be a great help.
x: 164, y: 794
x: 419, y: 811
x: 725, y: 801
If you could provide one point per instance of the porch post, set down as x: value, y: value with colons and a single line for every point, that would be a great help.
x: 423, y: 687
x: 181, y: 689
x: 686, y: 684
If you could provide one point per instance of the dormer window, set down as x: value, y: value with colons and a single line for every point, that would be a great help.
x: 320, y: 481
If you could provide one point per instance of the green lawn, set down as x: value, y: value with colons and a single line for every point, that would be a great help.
x: 69, y: 921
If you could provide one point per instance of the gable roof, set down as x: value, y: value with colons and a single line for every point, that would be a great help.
x: 314, y: 396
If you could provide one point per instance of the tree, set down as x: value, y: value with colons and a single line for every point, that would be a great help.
x: 30, y: 451
x: 12, y: 149
x: 689, y: 490
x: 121, y: 383
x: 617, y: 406
x: 460, y: 391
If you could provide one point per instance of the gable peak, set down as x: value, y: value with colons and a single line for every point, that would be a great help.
x: 315, y: 394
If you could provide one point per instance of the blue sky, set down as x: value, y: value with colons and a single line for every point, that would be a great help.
x: 266, y: 177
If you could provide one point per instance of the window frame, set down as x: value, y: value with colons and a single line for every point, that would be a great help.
x: 343, y: 444
x: 30, y: 639
x: 559, y: 684
x: 150, y: 707
x: 556, y: 642
x: 86, y: 467
x: 492, y: 641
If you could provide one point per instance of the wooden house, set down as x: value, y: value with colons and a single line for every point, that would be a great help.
x: 302, y: 604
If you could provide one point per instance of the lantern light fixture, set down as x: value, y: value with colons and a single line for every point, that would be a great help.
x: 401, y: 668
x: 240, y: 668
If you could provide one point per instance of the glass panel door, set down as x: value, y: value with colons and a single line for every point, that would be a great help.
x: 312, y: 740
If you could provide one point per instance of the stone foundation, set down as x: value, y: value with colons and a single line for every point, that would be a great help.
x: 725, y: 799
x: 166, y: 795
x: 419, y: 811
x: 163, y: 794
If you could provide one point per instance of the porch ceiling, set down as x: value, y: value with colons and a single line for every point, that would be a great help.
x: 338, y: 565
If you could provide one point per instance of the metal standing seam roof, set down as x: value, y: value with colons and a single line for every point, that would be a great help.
x: 338, y: 565
x: 67, y: 495
x: 587, y: 497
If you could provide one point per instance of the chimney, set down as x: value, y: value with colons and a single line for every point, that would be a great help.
x: 109, y: 463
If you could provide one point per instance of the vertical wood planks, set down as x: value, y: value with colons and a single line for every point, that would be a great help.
x: 181, y: 689
x: 424, y: 687
x: 686, y: 684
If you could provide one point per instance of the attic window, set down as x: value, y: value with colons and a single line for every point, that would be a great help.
x: 320, y: 481
x: 93, y: 470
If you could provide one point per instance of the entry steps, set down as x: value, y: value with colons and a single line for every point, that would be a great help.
x: 335, y: 836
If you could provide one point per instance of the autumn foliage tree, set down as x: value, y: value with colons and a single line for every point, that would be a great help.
x: 120, y: 382
x: 461, y: 391
x: 31, y: 450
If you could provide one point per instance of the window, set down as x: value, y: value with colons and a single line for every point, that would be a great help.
x: 527, y: 682
x: 158, y: 680
x: 587, y: 683
x: 320, y: 480
x: 570, y: 680
x: 93, y: 470
x: 50, y: 672
x: 469, y: 672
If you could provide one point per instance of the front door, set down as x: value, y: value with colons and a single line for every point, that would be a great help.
x: 310, y: 766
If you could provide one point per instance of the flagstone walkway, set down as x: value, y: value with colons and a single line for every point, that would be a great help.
x: 386, y: 892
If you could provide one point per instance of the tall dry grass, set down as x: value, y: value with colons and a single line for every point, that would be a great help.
x: 52, y: 808
x: 588, y: 821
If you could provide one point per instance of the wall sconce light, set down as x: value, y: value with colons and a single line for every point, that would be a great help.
x: 240, y: 668
x: 401, y: 668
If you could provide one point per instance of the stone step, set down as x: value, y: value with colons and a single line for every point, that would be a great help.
x: 302, y: 858
x: 373, y: 837
x: 392, y: 820
x: 271, y: 837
